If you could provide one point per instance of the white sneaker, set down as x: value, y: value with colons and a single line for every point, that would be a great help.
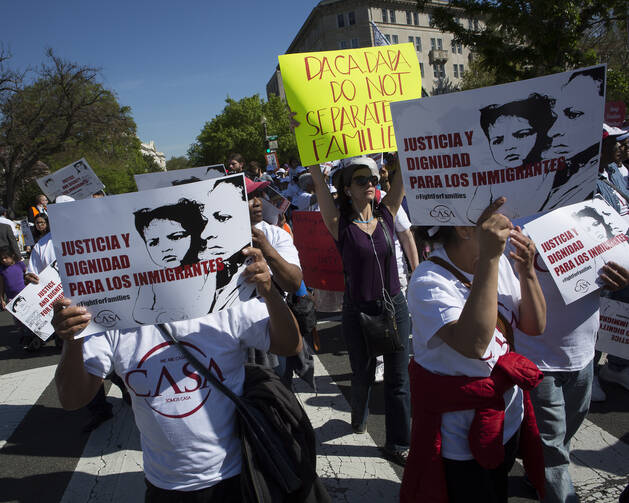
x: 379, y: 372
x: 616, y: 376
x: 598, y: 395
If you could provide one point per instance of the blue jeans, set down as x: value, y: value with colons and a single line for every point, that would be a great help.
x: 397, y: 397
x: 561, y: 402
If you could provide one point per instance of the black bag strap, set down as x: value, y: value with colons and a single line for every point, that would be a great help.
x: 258, y: 430
x: 390, y: 253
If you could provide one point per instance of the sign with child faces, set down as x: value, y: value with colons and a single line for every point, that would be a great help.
x: 341, y: 98
x: 613, y: 333
x: 146, y: 181
x: 576, y: 241
x: 155, y: 256
x: 536, y: 142
x: 76, y: 180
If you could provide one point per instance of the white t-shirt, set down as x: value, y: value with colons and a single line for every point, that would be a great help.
x: 568, y: 342
x: 436, y: 298
x: 402, y: 224
x: 188, y: 429
x: 42, y: 255
x: 281, y: 240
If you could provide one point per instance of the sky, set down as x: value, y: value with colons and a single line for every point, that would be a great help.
x: 173, y: 63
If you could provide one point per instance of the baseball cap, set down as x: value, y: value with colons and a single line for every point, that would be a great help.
x: 253, y: 186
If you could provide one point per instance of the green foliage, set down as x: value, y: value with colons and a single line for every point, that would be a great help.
x: 59, y: 116
x: 238, y: 128
x: 477, y: 75
x: 617, y: 85
x: 180, y: 162
x: 526, y: 38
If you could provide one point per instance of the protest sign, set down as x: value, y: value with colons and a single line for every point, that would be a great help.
x: 26, y: 236
x: 76, y: 180
x: 536, y: 142
x: 341, y: 98
x: 271, y: 160
x: 33, y: 305
x: 613, y: 333
x: 320, y: 259
x: 615, y: 113
x: 576, y: 241
x: 147, y: 181
x: 274, y: 204
x: 155, y: 256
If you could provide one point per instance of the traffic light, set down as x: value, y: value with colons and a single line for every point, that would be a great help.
x: 267, y: 147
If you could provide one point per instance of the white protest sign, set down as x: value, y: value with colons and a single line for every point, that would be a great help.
x: 613, y: 333
x: 33, y: 305
x: 155, y: 256
x: 159, y: 179
x: 76, y: 180
x: 535, y: 141
x: 274, y: 204
x: 576, y: 241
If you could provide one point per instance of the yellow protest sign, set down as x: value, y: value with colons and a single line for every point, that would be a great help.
x: 341, y: 98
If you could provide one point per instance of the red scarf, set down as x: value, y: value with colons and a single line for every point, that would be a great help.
x: 433, y: 395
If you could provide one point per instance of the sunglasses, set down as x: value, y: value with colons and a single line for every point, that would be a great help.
x: 361, y: 181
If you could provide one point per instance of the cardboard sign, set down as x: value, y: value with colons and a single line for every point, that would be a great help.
x: 271, y: 160
x: 613, y: 333
x: 274, y: 204
x: 33, y: 305
x: 536, y: 142
x: 576, y: 241
x: 341, y: 98
x: 159, y: 179
x: 76, y: 180
x: 615, y: 113
x: 25, y: 234
x: 320, y: 259
x: 155, y: 256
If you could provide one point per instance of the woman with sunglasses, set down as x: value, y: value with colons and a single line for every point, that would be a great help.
x: 358, y: 228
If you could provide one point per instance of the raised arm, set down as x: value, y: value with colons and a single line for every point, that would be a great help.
x: 473, y: 331
x: 329, y: 211
x: 409, y: 247
x: 532, y: 304
x: 75, y: 385
x: 283, y: 328
x: 393, y: 199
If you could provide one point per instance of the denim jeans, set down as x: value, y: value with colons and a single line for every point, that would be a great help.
x: 396, y: 382
x: 561, y: 402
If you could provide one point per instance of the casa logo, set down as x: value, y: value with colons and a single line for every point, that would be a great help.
x: 107, y: 318
x: 581, y: 286
x: 168, y: 383
x: 441, y: 213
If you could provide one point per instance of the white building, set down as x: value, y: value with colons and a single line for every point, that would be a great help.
x: 150, y: 150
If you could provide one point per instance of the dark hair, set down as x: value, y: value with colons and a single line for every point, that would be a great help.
x: 443, y: 235
x: 536, y: 109
x: 234, y: 156
x: 7, y: 252
x: 589, y: 211
x: 188, y: 213
x: 236, y: 181
x: 36, y: 233
x: 597, y: 74
x: 340, y: 181
x: 184, y: 181
x: 16, y: 302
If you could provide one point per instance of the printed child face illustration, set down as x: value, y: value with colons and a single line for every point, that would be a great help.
x: 595, y: 227
x: 511, y: 139
x: 224, y: 208
x: 573, y: 113
x: 167, y: 242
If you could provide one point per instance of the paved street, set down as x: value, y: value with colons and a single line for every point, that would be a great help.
x: 45, y: 456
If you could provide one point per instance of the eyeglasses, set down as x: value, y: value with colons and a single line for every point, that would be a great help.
x: 361, y: 181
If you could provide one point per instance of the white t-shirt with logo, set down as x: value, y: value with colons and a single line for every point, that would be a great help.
x: 188, y: 429
x: 568, y: 342
x: 436, y: 298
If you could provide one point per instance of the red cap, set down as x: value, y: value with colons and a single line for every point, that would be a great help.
x: 253, y: 186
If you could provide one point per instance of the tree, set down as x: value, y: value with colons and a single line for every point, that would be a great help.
x: 477, y: 75
x: 526, y: 38
x: 238, y: 128
x: 180, y: 162
x: 60, y: 114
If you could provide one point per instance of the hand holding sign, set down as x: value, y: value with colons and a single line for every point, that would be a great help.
x: 69, y: 320
x: 614, y: 276
x: 524, y: 254
x: 258, y: 272
x: 493, y: 229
